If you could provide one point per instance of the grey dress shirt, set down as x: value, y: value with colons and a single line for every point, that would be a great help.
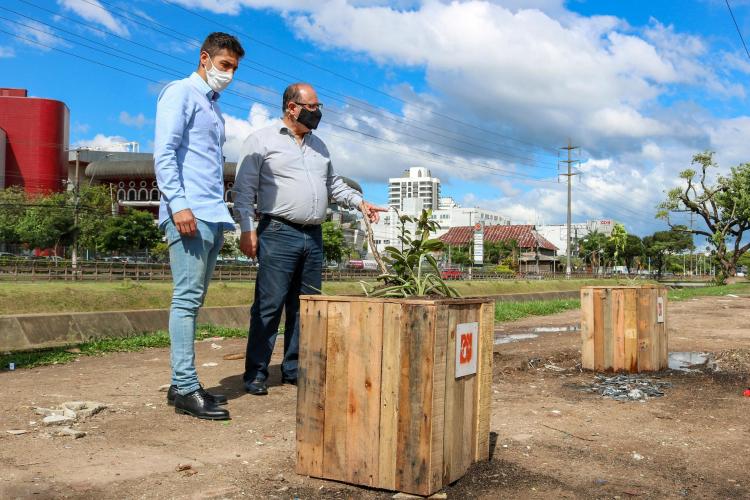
x: 290, y: 180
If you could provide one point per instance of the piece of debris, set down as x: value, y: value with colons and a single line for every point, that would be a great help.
x: 637, y: 456
x: 746, y: 393
x: 74, y: 350
x: 57, y: 420
x: 183, y: 467
x: 733, y: 295
x: 627, y: 387
x: 67, y: 431
x: 404, y: 496
x: 692, y: 361
x: 439, y: 496
x: 234, y: 356
x: 164, y: 388
x: 16, y: 432
x: 209, y: 365
x: 215, y: 346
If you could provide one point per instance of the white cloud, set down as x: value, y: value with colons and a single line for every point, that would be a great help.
x: 137, y: 121
x: 7, y: 52
x: 103, y: 142
x: 237, y: 129
x: 37, y: 35
x: 93, y: 11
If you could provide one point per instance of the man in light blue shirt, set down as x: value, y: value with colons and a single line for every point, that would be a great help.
x: 189, y: 164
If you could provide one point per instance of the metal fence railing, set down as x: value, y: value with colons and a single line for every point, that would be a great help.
x: 44, y: 270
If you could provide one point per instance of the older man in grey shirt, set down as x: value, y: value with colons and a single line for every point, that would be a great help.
x: 287, y: 171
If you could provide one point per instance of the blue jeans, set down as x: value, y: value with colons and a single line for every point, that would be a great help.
x: 290, y: 260
x: 192, y: 260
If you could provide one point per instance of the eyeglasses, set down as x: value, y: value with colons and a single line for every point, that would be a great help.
x: 311, y: 106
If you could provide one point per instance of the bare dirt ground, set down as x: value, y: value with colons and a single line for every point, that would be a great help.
x: 550, y: 440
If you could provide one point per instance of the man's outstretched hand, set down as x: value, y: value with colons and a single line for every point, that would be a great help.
x: 371, y: 211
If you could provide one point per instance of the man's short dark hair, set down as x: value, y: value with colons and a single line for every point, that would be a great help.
x: 218, y: 41
x: 291, y: 94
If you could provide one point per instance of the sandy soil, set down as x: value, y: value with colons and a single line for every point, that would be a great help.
x: 550, y: 440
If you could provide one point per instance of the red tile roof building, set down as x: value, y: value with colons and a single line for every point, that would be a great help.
x: 525, y: 235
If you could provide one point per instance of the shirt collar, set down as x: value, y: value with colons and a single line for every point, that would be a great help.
x: 283, y: 128
x: 200, y: 84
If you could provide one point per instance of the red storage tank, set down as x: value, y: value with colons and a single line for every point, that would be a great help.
x: 37, y: 140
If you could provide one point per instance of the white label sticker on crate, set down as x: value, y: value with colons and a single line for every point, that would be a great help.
x: 467, y: 342
x: 660, y: 309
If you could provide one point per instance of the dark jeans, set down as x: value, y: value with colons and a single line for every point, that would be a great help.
x: 290, y: 260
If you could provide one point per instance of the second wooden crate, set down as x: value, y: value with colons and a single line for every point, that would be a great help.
x: 624, y: 328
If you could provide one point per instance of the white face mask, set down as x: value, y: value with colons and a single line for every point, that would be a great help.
x: 218, y: 80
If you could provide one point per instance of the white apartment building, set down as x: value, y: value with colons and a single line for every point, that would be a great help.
x: 417, y: 182
x: 557, y: 233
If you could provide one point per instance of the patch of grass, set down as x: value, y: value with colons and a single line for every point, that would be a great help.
x: 55, y: 297
x: 709, y: 291
x: 101, y: 346
x: 511, y: 311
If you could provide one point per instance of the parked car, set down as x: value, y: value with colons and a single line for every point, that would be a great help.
x: 451, y: 274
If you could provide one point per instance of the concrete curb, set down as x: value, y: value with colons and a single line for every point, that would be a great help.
x: 39, y: 331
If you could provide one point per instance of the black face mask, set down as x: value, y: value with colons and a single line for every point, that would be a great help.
x: 310, y: 119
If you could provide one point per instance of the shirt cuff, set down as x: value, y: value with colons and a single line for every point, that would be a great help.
x: 178, y: 204
x: 355, y: 201
x: 247, y: 224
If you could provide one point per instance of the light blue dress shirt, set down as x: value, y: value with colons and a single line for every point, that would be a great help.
x: 188, y: 156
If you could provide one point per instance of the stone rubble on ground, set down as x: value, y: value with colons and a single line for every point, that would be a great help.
x: 627, y: 387
x: 67, y: 414
x: 16, y: 432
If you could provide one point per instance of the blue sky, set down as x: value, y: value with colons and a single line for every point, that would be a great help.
x: 482, y: 93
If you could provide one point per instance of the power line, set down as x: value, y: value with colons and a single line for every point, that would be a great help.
x: 197, y: 43
x: 739, y: 32
x: 177, y: 72
x: 507, y: 173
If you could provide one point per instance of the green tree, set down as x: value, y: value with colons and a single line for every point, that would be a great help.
x: 132, y: 231
x: 723, y: 206
x: 231, y: 247
x: 633, y: 252
x: 663, y: 245
x: 593, y: 246
x: 47, y: 222
x: 616, y: 243
x: 12, y: 210
x: 334, y: 244
x: 94, y: 210
x: 160, y: 251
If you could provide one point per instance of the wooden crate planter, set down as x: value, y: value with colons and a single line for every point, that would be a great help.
x: 379, y: 403
x: 624, y: 328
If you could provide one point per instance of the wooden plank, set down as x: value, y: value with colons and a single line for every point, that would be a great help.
x: 471, y: 314
x: 389, y: 393
x: 363, y: 402
x: 609, y: 341
x: 646, y: 320
x: 438, y: 396
x: 483, y: 400
x: 618, y: 329
x: 311, y: 387
x: 599, y: 329
x: 631, y: 330
x: 587, y: 328
x: 450, y: 423
x: 664, y: 335
x: 335, y: 426
x: 415, y: 400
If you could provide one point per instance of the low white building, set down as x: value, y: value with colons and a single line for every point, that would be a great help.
x: 450, y: 215
x: 557, y: 233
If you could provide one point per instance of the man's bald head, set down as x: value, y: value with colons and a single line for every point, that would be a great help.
x: 297, y: 92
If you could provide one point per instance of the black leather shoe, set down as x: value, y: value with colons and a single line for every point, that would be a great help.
x: 257, y: 387
x: 197, y: 405
x: 217, y: 399
x: 289, y: 380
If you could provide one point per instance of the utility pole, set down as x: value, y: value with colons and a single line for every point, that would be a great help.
x: 76, y: 200
x: 570, y: 173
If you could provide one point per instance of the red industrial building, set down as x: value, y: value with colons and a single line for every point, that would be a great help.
x: 33, y: 142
